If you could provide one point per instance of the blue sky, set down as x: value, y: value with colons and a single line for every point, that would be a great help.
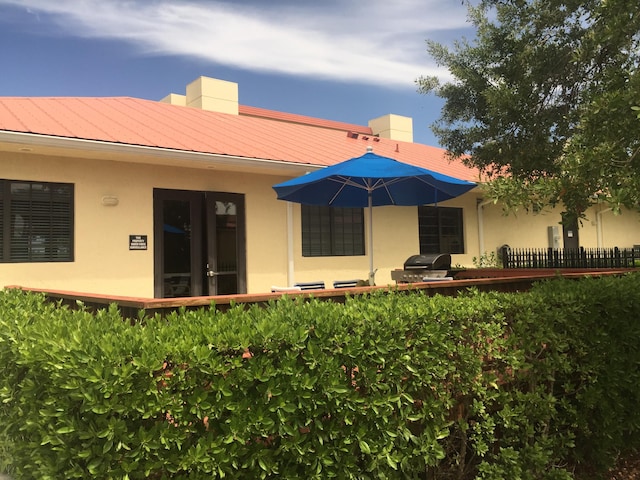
x: 343, y: 60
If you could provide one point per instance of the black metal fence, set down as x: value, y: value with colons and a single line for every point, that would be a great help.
x: 570, y: 258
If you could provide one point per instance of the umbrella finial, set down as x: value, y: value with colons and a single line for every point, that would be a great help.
x: 369, y: 149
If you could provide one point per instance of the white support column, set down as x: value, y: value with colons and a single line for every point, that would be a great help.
x: 290, y: 264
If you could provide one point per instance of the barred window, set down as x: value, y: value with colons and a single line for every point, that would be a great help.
x: 36, y: 221
x: 332, y: 231
x: 440, y: 230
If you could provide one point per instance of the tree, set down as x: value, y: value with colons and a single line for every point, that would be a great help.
x: 542, y: 102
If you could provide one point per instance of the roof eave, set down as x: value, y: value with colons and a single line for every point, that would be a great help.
x: 151, y: 155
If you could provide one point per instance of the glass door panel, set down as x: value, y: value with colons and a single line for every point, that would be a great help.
x: 177, y: 243
x: 176, y: 234
x: 226, y: 243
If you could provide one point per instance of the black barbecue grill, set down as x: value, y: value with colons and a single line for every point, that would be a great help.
x: 418, y: 268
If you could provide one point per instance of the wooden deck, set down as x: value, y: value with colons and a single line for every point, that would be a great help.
x: 511, y: 280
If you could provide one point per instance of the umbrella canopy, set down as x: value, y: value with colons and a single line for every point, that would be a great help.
x: 369, y: 181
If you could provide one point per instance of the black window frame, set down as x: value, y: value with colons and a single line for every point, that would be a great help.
x: 36, y: 221
x: 441, y: 229
x: 332, y: 231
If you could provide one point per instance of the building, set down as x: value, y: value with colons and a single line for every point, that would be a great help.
x: 134, y: 197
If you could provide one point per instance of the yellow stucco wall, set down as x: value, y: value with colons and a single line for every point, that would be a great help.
x: 104, y: 264
x: 619, y: 230
x: 523, y: 230
x: 395, y: 238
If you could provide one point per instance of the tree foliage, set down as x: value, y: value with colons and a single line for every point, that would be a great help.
x: 542, y: 101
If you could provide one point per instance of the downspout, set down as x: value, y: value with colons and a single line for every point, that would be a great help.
x: 481, y: 204
x: 290, y: 267
x: 599, y: 226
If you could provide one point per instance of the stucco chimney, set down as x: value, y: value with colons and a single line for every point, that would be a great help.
x: 175, y: 99
x: 213, y: 94
x: 208, y: 94
x: 394, y: 127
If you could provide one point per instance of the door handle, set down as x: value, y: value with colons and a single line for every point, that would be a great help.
x: 210, y: 273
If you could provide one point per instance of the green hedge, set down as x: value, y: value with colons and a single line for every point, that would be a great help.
x: 387, y: 385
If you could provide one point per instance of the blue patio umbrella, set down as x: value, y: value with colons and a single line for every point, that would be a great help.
x: 370, y: 181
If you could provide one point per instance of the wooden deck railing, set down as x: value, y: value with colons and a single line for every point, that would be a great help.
x: 503, y: 280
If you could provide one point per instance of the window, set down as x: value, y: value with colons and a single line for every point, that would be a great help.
x: 36, y: 221
x: 440, y: 230
x: 332, y: 231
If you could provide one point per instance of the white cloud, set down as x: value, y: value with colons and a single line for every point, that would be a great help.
x: 376, y: 42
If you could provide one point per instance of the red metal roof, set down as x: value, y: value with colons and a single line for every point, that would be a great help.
x: 254, y: 133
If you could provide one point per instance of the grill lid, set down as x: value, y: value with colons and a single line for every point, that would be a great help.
x: 432, y: 261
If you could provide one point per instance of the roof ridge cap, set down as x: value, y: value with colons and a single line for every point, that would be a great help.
x: 251, y: 111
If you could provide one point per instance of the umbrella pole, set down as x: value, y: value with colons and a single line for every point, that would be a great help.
x: 372, y: 274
